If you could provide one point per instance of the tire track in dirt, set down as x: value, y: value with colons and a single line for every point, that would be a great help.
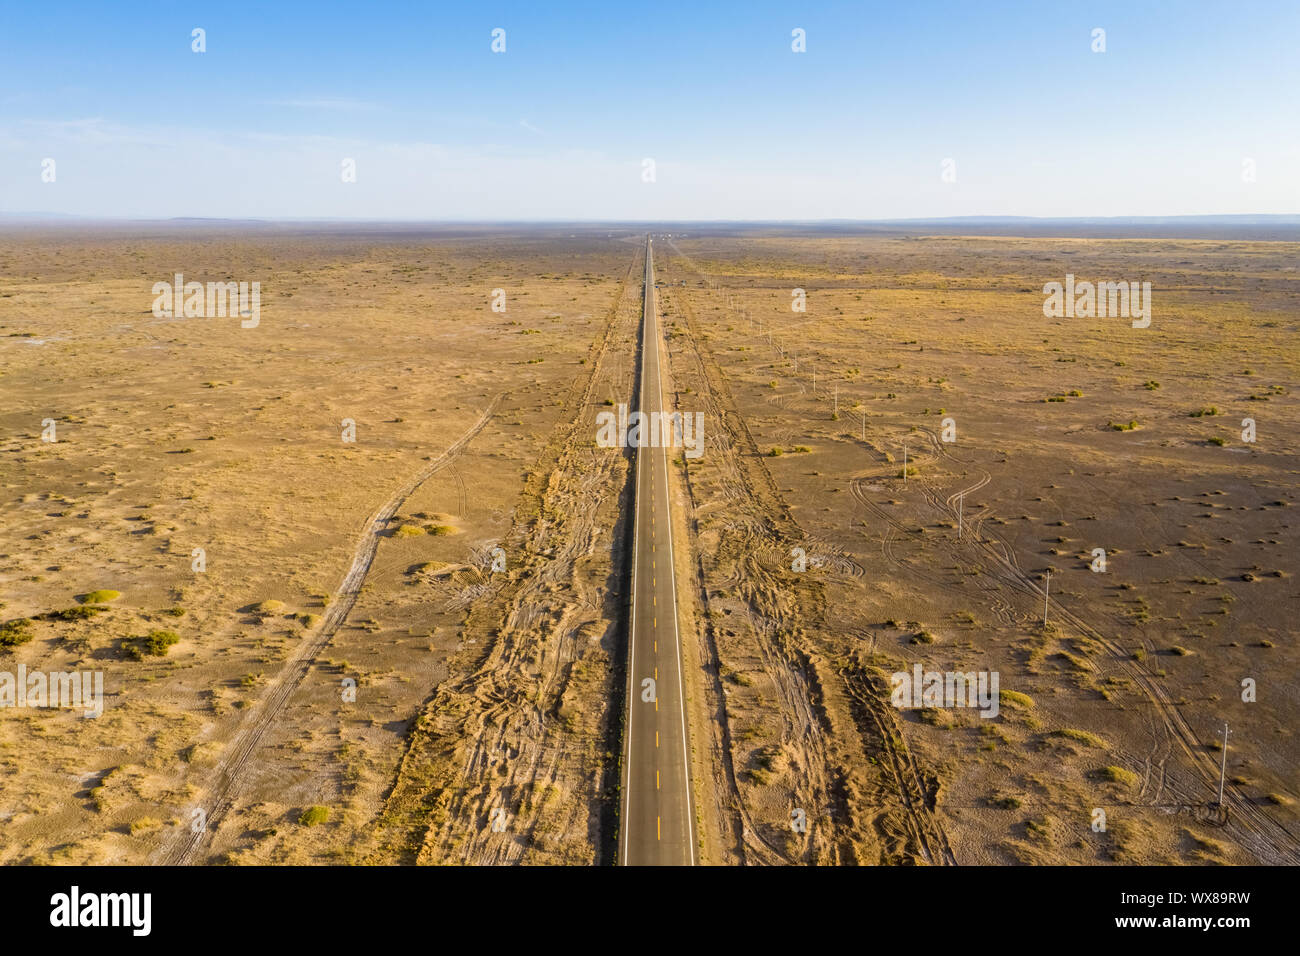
x: 1264, y: 836
x: 493, y: 745
x: 230, y: 769
x: 760, y: 521
x: 919, y: 816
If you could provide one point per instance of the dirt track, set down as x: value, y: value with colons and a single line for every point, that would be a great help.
x: 189, y: 841
x: 509, y: 762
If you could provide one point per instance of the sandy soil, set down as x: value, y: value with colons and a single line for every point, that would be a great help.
x: 1138, y: 667
x: 410, y: 648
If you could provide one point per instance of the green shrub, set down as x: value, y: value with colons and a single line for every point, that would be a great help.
x: 314, y: 815
x: 1015, y: 699
x: 1119, y: 775
x: 155, y: 645
x: 82, y: 612
x: 99, y: 597
x: 15, y: 632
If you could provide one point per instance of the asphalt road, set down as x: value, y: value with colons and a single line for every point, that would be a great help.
x: 658, y: 823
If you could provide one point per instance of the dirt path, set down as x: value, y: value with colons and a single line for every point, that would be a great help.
x: 509, y: 761
x: 185, y: 847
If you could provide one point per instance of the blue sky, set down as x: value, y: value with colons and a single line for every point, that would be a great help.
x: 738, y: 126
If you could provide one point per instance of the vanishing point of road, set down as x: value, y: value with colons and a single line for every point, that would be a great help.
x: 658, y: 825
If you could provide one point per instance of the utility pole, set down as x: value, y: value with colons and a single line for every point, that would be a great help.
x: 1047, y: 590
x: 1223, y: 767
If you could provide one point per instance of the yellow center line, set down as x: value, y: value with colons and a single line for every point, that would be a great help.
x: 656, y: 738
x: 656, y: 779
x: 658, y: 829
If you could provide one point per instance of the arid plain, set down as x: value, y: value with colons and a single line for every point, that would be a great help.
x: 409, y: 647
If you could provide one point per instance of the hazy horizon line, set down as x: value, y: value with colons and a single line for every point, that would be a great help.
x: 1244, y: 217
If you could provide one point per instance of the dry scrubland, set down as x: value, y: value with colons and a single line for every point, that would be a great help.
x: 1116, y: 704
x: 195, y: 433
x: 480, y: 692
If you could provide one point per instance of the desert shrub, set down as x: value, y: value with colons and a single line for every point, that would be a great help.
x: 314, y: 815
x: 82, y: 612
x: 1015, y: 699
x: 156, y: 644
x: 15, y: 632
x: 1119, y: 775
x: 100, y: 597
x: 1081, y: 736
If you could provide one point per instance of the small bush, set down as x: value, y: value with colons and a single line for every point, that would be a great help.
x: 314, y: 815
x: 1015, y: 699
x: 100, y: 597
x: 1081, y: 736
x: 80, y: 613
x: 15, y: 632
x: 1119, y: 775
